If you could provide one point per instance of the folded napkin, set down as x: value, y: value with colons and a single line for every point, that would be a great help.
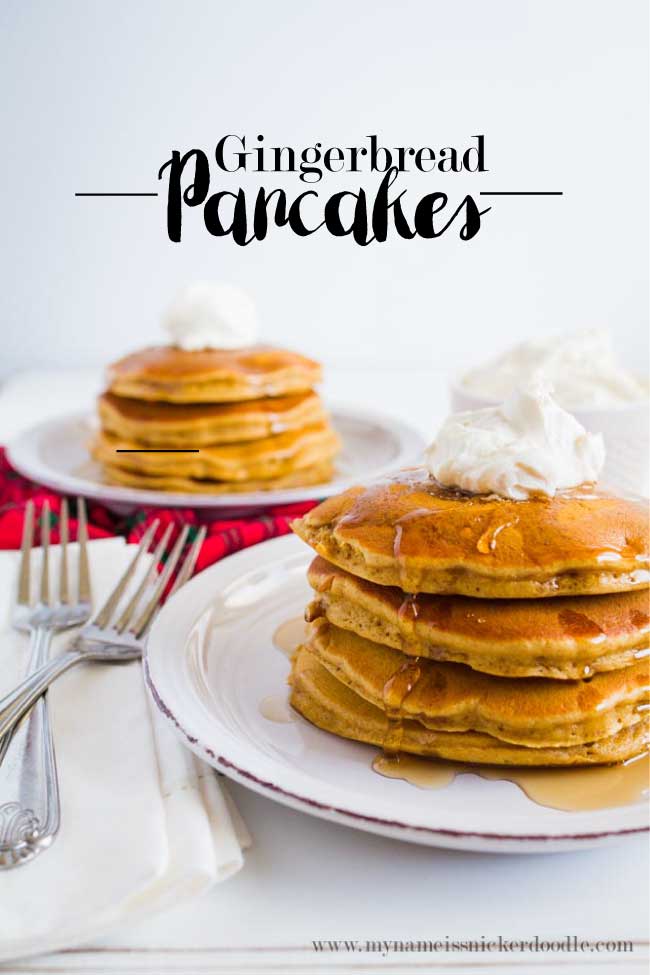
x: 144, y: 824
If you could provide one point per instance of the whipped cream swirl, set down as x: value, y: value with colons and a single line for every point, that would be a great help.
x: 528, y: 446
x: 581, y: 367
x: 211, y: 316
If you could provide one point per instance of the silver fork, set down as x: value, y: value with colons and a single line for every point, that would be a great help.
x: 113, y: 635
x: 29, y: 788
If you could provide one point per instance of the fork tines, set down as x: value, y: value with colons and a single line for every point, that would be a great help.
x: 133, y: 603
x: 27, y: 543
x: 24, y: 578
x: 142, y: 606
x: 187, y: 570
x: 82, y: 539
x: 106, y: 612
x: 147, y: 614
x: 137, y: 615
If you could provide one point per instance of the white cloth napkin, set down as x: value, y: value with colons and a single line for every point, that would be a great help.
x: 144, y: 824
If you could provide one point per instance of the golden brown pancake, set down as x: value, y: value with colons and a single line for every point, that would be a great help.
x: 202, y: 424
x: 410, y: 532
x: 330, y: 705
x: 211, y: 375
x: 565, y: 638
x: 307, y: 476
x: 533, y: 711
x: 271, y: 457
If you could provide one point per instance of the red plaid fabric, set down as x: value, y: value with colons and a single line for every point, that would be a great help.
x: 225, y: 535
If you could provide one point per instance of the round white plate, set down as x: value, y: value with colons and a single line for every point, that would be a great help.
x: 211, y: 663
x: 55, y: 453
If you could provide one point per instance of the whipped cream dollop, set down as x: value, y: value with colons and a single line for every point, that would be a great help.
x: 581, y: 367
x: 211, y: 316
x: 527, y: 446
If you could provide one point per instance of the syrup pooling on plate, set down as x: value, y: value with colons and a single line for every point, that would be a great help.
x: 417, y: 771
x: 574, y: 790
x: 569, y: 790
x: 289, y: 635
x: 275, y: 708
x: 287, y: 638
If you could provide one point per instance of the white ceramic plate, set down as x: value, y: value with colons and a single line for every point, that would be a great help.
x: 55, y: 453
x: 210, y: 665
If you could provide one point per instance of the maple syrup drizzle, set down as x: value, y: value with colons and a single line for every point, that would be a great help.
x: 488, y: 541
x: 289, y: 635
x: 640, y: 620
x: 580, y: 625
x: 409, y: 610
x: 397, y: 553
x: 417, y: 515
x: 395, y: 691
x: 567, y: 789
x: 407, y: 615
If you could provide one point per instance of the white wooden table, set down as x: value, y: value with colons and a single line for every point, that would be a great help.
x: 307, y: 880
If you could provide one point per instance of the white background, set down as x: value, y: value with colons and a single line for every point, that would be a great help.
x: 95, y: 96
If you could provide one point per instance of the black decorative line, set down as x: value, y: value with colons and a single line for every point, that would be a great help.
x: 151, y: 450
x: 482, y: 193
x: 116, y: 194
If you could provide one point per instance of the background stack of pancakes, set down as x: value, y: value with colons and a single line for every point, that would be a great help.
x: 476, y: 628
x: 251, y: 415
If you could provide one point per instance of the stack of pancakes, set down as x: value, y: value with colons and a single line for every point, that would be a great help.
x: 248, y: 419
x: 478, y: 629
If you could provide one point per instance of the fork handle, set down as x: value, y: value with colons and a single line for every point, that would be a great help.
x: 16, y: 704
x: 29, y: 789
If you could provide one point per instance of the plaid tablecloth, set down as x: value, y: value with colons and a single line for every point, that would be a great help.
x: 224, y: 535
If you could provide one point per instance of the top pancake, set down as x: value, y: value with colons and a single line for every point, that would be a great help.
x: 177, y: 375
x: 202, y: 424
x: 408, y: 531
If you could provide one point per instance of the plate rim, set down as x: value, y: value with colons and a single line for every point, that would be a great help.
x: 20, y: 450
x: 397, y: 828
